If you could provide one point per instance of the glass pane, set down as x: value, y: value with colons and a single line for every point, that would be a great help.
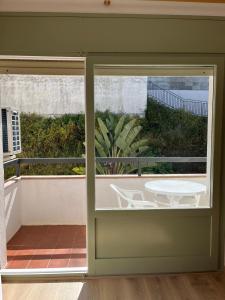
x: 152, y: 136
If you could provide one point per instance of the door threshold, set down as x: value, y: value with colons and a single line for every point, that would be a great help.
x: 43, y: 274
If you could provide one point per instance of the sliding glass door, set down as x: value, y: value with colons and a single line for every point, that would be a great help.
x: 153, y: 163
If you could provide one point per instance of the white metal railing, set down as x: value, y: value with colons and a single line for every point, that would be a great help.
x: 172, y: 100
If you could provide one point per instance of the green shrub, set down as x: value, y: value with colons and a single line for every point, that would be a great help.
x: 61, y: 136
x: 176, y: 133
x: 169, y: 132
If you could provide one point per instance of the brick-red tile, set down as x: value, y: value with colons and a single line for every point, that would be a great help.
x: 48, y: 247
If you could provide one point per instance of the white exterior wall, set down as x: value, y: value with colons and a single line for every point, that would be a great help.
x: 106, y: 197
x: 57, y: 95
x: 53, y: 200
x: 61, y: 200
x: 12, y: 195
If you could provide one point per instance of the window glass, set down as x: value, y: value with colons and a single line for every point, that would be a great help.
x: 152, y: 136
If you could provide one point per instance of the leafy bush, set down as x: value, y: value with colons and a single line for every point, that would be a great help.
x: 176, y: 133
x: 118, y: 138
x: 61, y: 136
x: 161, y: 132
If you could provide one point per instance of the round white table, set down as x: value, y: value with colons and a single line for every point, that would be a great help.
x: 175, y: 190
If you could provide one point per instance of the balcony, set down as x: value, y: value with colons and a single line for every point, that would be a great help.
x: 46, y: 215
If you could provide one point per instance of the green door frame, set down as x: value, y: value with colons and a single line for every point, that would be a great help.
x: 212, y: 216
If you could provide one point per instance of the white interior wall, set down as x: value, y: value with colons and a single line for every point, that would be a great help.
x: 117, y: 6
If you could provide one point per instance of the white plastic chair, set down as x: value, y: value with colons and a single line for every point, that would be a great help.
x: 130, y: 196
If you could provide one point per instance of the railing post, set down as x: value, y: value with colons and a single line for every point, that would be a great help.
x: 139, y: 168
x: 201, y: 109
x: 18, y: 168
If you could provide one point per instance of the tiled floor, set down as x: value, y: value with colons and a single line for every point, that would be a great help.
x: 47, y: 247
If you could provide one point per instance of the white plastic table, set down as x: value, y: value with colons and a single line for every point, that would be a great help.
x: 175, y: 190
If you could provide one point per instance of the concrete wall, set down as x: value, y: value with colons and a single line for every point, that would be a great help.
x: 186, y: 83
x: 65, y: 94
x: 50, y: 95
x: 43, y: 94
x: 127, y: 94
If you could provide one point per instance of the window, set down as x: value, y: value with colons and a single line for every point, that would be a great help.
x: 153, y: 129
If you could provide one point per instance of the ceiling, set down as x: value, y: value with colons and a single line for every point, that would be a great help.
x: 182, y: 7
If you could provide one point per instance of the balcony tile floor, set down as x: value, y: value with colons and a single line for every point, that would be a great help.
x: 47, y: 246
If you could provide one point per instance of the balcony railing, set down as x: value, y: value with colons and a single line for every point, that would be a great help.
x: 138, y: 162
x: 62, y: 200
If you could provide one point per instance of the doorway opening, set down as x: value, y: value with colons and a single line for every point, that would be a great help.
x: 43, y: 125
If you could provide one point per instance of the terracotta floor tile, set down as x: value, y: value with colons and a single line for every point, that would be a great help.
x: 19, y: 263
x: 64, y: 245
x: 77, y: 262
x: 11, y: 253
x: 77, y: 255
x: 48, y: 246
x: 39, y: 262
x: 45, y: 251
x: 62, y: 251
x: 58, y: 263
x: 79, y: 251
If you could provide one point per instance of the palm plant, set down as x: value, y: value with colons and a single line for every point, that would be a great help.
x: 118, y: 139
